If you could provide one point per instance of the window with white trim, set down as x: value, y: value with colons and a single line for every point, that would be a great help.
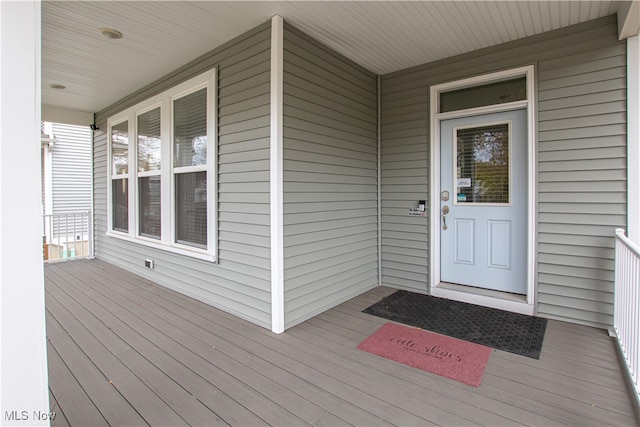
x: 120, y: 176
x: 149, y: 141
x: 162, y: 151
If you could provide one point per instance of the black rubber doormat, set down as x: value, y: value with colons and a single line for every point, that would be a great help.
x: 512, y: 332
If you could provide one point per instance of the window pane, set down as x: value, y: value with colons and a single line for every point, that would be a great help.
x: 480, y: 96
x: 149, y: 205
x: 483, y: 164
x: 120, y: 195
x: 190, y: 129
x: 120, y: 148
x: 149, y: 141
x: 191, y: 209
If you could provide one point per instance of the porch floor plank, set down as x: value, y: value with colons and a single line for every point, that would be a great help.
x: 227, y: 359
x: 64, y: 385
x: 189, y: 409
x: 215, y: 387
x: 112, y: 405
x: 451, y: 396
x: 124, y: 351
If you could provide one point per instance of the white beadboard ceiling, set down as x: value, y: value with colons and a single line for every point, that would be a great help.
x: 160, y: 36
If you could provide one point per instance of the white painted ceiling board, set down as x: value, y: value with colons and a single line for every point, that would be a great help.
x: 161, y: 36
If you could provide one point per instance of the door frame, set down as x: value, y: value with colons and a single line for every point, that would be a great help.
x: 526, y: 305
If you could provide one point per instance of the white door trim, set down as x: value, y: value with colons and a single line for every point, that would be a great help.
x: 526, y: 306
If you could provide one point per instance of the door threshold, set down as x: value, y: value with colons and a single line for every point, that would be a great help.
x: 484, y: 297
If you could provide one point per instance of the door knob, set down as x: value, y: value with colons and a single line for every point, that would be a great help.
x: 445, y: 211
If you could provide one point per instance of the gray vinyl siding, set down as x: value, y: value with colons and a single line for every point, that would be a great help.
x: 330, y: 178
x: 43, y: 174
x: 581, y: 176
x: 240, y: 282
x: 71, y: 168
x: 581, y: 163
x: 70, y: 177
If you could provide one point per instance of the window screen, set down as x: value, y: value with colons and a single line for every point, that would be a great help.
x: 120, y: 148
x: 149, y: 204
x: 190, y: 129
x: 191, y: 209
x: 120, y: 194
x: 149, y: 141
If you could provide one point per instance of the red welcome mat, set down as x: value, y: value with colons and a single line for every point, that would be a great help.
x: 449, y: 357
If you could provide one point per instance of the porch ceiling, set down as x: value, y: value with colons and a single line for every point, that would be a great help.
x: 161, y: 36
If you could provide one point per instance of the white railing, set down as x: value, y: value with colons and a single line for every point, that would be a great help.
x: 626, y: 312
x: 67, y: 236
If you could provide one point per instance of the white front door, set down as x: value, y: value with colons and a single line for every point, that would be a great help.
x: 483, y: 201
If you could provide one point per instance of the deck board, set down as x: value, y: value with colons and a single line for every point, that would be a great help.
x: 112, y: 405
x: 163, y: 321
x: 173, y: 360
x: 189, y: 409
x: 214, y: 387
x: 63, y: 385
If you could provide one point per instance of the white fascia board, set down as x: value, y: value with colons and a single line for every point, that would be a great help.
x: 276, y: 176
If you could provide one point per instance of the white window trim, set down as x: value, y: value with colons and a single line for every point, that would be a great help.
x: 165, y: 100
x: 528, y: 306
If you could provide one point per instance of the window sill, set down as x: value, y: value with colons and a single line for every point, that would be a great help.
x: 174, y: 249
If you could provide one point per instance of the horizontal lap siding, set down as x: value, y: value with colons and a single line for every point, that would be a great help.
x: 330, y: 178
x: 404, y: 178
x: 581, y: 162
x: 71, y: 168
x: 581, y: 177
x: 240, y: 282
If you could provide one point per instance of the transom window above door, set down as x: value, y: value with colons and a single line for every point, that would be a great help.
x: 494, y: 93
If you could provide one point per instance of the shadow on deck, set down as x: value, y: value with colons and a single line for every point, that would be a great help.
x: 124, y: 351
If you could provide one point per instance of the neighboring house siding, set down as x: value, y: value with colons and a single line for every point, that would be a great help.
x: 71, y: 168
x: 240, y: 282
x: 43, y: 174
x: 581, y: 162
x: 330, y: 178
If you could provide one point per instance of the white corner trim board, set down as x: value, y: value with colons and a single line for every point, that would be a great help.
x: 276, y: 176
x: 633, y: 138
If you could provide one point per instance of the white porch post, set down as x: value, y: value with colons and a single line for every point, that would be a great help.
x: 276, y: 177
x: 633, y: 138
x: 24, y: 398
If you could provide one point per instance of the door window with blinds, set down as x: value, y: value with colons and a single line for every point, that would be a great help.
x: 163, y: 176
x: 482, y: 166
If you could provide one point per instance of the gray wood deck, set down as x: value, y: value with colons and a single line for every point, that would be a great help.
x: 124, y: 351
